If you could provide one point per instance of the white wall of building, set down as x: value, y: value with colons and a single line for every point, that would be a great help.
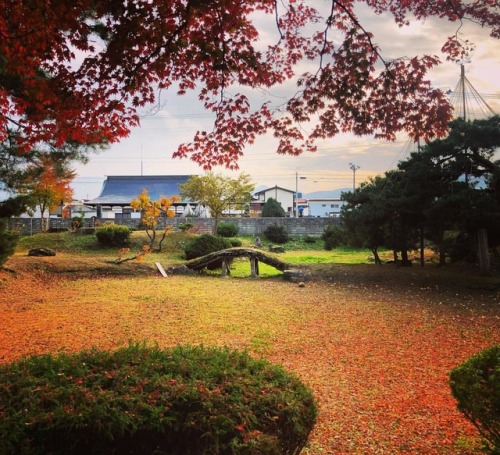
x: 325, y: 207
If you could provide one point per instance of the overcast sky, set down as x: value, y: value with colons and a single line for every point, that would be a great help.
x: 148, y: 150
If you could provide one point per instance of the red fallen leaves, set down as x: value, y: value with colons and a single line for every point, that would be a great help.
x: 377, y: 357
x: 385, y: 386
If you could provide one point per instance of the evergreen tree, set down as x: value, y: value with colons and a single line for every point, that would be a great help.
x: 272, y: 208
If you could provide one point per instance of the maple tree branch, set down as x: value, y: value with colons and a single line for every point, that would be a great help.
x: 325, y: 36
x: 366, y: 33
x: 277, y: 19
x: 122, y: 260
x: 155, y: 52
x: 11, y: 120
x: 455, y: 10
x: 223, y: 64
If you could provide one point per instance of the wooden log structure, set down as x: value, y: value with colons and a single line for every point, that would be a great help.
x: 225, y: 256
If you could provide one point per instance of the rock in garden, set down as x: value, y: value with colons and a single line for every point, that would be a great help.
x: 294, y: 275
x: 276, y: 249
x: 180, y: 270
x: 41, y: 252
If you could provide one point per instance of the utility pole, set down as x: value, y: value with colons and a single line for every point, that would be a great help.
x: 354, y: 168
x: 142, y: 158
x: 462, y: 79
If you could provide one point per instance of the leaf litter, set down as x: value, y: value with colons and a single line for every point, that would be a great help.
x: 376, y: 355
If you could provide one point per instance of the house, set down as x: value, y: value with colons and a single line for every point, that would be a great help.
x: 76, y: 209
x: 118, y: 191
x: 282, y: 195
x: 325, y: 207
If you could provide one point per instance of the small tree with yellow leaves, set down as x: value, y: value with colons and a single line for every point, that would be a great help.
x: 152, y: 212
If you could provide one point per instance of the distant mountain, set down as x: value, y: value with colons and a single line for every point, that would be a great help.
x: 326, y: 194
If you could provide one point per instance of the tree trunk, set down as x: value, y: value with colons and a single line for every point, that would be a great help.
x: 152, y: 236
x: 483, y: 251
x: 405, y: 262
x: 442, y: 255
x: 376, y: 256
x: 216, y: 224
x: 160, y: 243
x: 422, y: 248
x: 44, y: 224
x: 473, y: 247
x: 43, y: 221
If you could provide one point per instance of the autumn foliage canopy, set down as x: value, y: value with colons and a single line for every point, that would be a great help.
x: 79, y: 71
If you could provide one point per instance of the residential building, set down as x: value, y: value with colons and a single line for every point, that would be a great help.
x: 282, y: 195
x: 325, y: 207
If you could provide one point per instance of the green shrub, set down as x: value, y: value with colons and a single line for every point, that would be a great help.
x: 276, y: 233
x: 185, y: 226
x: 235, y: 242
x: 332, y: 237
x: 8, y: 242
x: 205, y: 244
x: 143, y: 400
x: 113, y: 235
x: 77, y: 222
x: 227, y: 229
x: 272, y: 208
x: 310, y: 239
x: 476, y: 386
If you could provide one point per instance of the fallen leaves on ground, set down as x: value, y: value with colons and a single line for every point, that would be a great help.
x: 376, y: 355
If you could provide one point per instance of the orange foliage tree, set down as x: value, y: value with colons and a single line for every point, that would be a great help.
x: 48, y: 185
x: 151, y: 214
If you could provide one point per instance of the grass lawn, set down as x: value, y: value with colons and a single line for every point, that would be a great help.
x: 375, y: 344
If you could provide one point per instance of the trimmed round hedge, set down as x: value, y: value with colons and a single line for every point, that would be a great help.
x: 205, y: 244
x: 113, y: 235
x: 145, y: 400
x: 476, y: 386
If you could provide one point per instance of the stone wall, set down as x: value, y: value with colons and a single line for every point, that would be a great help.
x: 246, y: 226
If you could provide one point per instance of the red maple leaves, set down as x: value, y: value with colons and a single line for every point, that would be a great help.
x: 79, y: 72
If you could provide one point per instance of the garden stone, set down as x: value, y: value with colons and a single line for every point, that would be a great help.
x: 180, y: 270
x: 41, y: 252
x: 276, y: 249
x: 296, y: 276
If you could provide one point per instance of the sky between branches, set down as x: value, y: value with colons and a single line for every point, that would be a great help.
x: 148, y: 150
